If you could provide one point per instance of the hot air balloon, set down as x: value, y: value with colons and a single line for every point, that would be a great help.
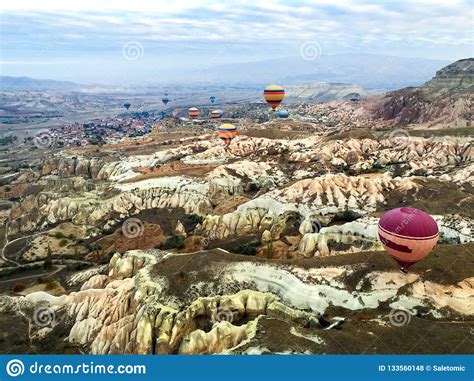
x: 212, y: 99
x: 274, y: 94
x: 408, y: 235
x: 193, y: 113
x: 227, y: 132
x: 216, y: 114
x: 283, y: 114
x: 126, y: 105
x: 165, y: 100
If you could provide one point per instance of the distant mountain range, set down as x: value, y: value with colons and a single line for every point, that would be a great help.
x: 371, y: 71
x: 27, y: 83
x: 322, y: 92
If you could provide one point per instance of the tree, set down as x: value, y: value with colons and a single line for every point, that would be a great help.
x: 48, y: 263
x: 270, y: 249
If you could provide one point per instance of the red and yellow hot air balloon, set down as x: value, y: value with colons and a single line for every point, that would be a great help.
x: 408, y: 235
x: 226, y: 133
x: 193, y: 112
x: 216, y: 114
x: 274, y: 94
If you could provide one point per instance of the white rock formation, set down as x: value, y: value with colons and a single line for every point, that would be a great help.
x: 233, y: 178
x: 90, y: 208
x: 322, y: 196
x: 130, y: 311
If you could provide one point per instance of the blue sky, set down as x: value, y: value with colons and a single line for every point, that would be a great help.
x: 131, y: 41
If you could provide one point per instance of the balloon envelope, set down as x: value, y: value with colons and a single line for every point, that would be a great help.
x: 193, y: 112
x: 408, y: 235
x: 274, y: 94
x: 283, y: 114
x: 127, y: 105
x: 212, y: 99
x: 165, y: 100
x: 226, y: 133
x: 216, y: 114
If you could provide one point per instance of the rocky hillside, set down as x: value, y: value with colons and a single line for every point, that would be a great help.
x: 459, y: 76
x: 172, y: 243
x: 444, y: 101
x: 154, y: 302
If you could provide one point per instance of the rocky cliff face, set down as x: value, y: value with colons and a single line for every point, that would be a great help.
x: 446, y: 100
x: 423, y: 106
x: 95, y: 208
x: 443, y: 102
x: 458, y: 76
x: 66, y: 166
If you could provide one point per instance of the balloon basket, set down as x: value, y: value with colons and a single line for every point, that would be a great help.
x: 403, y: 270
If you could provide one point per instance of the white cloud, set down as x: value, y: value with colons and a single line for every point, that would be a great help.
x: 99, y: 6
x: 256, y: 27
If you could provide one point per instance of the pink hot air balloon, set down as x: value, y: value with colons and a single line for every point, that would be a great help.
x: 408, y: 234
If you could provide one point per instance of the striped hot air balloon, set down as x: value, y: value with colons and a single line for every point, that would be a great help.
x: 274, y: 94
x: 193, y: 112
x: 226, y: 133
x: 408, y: 235
x: 216, y: 114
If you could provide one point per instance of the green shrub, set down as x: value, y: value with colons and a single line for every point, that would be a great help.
x: 173, y: 242
x: 59, y: 235
x: 244, y: 248
x: 419, y: 172
x: 398, y: 170
x: 253, y: 187
x: 63, y: 242
x: 346, y: 216
x: 195, y: 219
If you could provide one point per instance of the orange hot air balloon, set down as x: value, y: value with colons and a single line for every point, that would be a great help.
x: 226, y: 133
x: 193, y: 113
x: 408, y: 235
x: 274, y: 94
